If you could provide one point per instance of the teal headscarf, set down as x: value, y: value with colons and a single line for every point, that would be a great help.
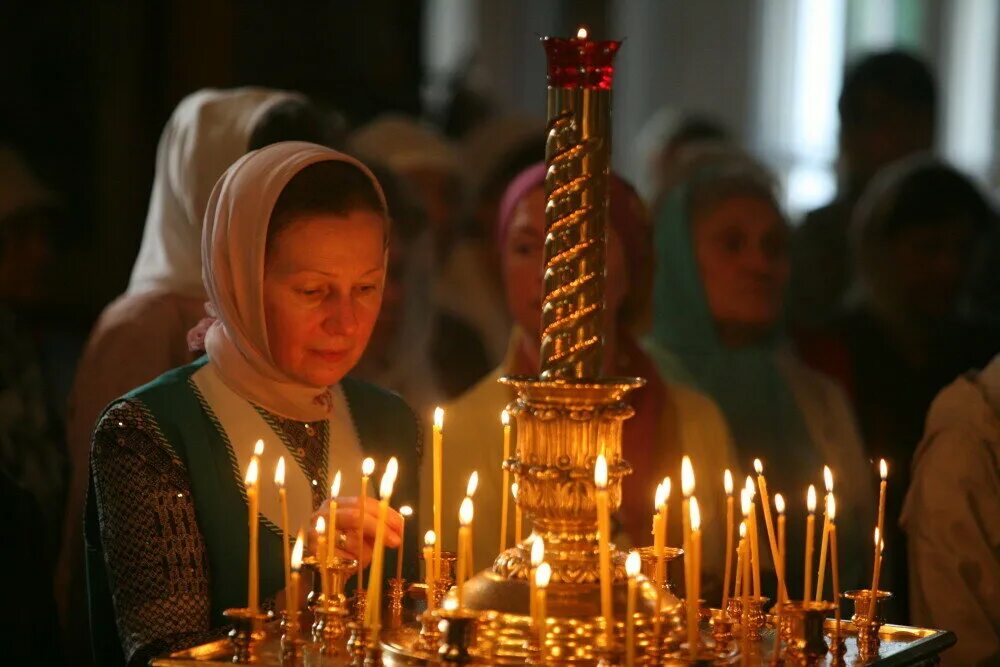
x: 746, y: 383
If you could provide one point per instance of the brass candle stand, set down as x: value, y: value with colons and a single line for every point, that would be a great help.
x: 332, y: 612
x: 291, y: 643
x: 756, y: 618
x: 245, y: 634
x: 801, y: 630
x: 867, y: 628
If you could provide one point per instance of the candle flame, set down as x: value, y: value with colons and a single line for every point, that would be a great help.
x: 320, y: 526
x: 450, y: 603
x: 633, y: 564
x: 750, y: 487
x: 335, y: 487
x: 758, y: 466
x: 601, y: 472
x: 687, y: 476
x: 504, y: 417
x: 430, y: 538
x: 439, y: 418
x: 883, y: 469
x: 296, y: 559
x: 465, y: 512
x: 406, y: 511
x: 828, y: 478
x: 368, y: 467
x: 514, y: 488
x: 385, y: 486
x: 279, y: 472
x: 695, y: 515
x: 831, y: 507
x: 727, y: 482
x: 811, y: 499
x: 779, y: 503
x: 470, y: 488
x: 661, y: 496
x: 745, y: 501
x: 743, y: 529
x: 537, y: 551
x: 258, y: 448
x: 252, y: 473
x: 392, y: 468
x: 581, y: 33
x: 666, y: 488
x: 543, y: 575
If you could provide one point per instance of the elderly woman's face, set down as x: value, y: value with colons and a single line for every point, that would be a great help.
x: 323, y: 284
x: 523, y: 264
x: 741, y: 248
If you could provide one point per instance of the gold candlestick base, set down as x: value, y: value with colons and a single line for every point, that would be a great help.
x: 291, y: 643
x: 244, y: 637
x: 722, y: 631
x: 867, y: 628
x: 430, y: 634
x: 357, y: 643
x: 360, y: 605
x: 802, y: 631
x: 397, y: 588
x: 458, y: 635
x: 329, y: 629
x: 756, y: 619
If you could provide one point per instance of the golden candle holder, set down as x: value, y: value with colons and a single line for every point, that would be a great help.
x: 331, y: 613
x: 357, y: 643
x: 647, y: 556
x: 245, y: 634
x: 397, y: 588
x: 722, y: 631
x: 801, y: 630
x: 430, y: 634
x: 291, y: 642
x: 867, y: 628
x: 458, y: 635
x: 360, y: 606
x: 756, y: 618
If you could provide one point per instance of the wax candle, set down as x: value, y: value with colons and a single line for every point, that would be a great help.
x: 537, y: 558
x: 810, y: 539
x: 825, y: 539
x: 429, y: 571
x: 661, y: 563
x: 518, y: 519
x: 604, y: 546
x: 745, y: 613
x: 831, y: 510
x: 279, y: 481
x: 879, y: 546
x: 470, y: 491
x: 437, y: 435
x: 883, y: 469
x: 367, y: 468
x: 321, y: 553
x: 664, y: 511
x: 251, y: 483
x: 765, y: 506
x: 334, y: 494
x: 727, y: 483
x: 659, y: 537
x: 754, y: 536
x: 405, y: 512
x: 542, y: 576
x: 779, y: 507
x: 374, y: 606
x: 694, y: 597
x: 292, y: 597
x: 687, y: 489
x: 504, y: 502
x: 633, y: 564
x: 738, y: 586
x: 465, y: 516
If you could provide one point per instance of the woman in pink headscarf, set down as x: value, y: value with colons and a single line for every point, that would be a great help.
x: 293, y: 257
x: 669, y: 420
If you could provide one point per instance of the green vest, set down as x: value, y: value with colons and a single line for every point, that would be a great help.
x: 386, y: 427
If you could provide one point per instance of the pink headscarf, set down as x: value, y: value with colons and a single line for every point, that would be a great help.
x: 233, y: 247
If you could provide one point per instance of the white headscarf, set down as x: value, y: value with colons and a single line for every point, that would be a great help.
x: 233, y: 254
x: 208, y: 131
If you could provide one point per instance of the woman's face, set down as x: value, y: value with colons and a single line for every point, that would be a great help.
x: 741, y: 248
x: 524, y: 257
x: 931, y: 263
x: 323, y: 283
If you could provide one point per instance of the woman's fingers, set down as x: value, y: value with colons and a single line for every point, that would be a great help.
x: 348, y: 520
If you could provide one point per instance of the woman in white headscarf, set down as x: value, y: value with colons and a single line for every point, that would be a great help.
x: 294, y: 264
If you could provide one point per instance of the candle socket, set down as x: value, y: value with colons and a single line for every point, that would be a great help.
x: 430, y: 634
x: 243, y: 638
x: 329, y: 629
x: 722, y: 631
x: 291, y: 643
x: 357, y: 643
x: 360, y: 605
x: 802, y: 631
x: 756, y: 619
x: 397, y: 588
x: 867, y: 628
x: 734, y: 608
x: 458, y: 634
x: 647, y: 556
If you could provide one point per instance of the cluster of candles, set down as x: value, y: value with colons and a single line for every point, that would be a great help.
x: 744, y: 584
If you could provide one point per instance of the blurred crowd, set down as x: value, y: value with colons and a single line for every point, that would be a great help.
x: 863, y: 331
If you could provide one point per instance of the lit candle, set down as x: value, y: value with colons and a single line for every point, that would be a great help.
x: 738, y: 586
x: 810, y: 539
x: 405, y: 512
x: 437, y: 435
x: 754, y: 533
x: 661, y: 564
x: 505, y: 420
x: 825, y: 540
x: 779, y: 507
x: 883, y: 470
x: 279, y: 481
x: 367, y: 468
x: 518, y: 519
x: 542, y: 576
x: 745, y: 574
x: 687, y: 489
x: 633, y: 564
x: 879, y: 546
x: 765, y: 506
x: 727, y: 483
x: 374, y: 606
x: 665, y: 514
x: 334, y: 494
x: 251, y: 482
x: 429, y: 577
x: 470, y: 492
x: 694, y: 601
x: 604, y: 546
x: 537, y: 558
x: 292, y: 603
x: 831, y: 511
x: 659, y: 536
x: 321, y: 552
x: 465, y: 516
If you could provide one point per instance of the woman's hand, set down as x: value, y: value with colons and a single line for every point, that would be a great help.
x: 348, y: 520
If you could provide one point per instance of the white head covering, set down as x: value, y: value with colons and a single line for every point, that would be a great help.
x: 403, y: 144
x: 233, y: 249
x: 207, y: 132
